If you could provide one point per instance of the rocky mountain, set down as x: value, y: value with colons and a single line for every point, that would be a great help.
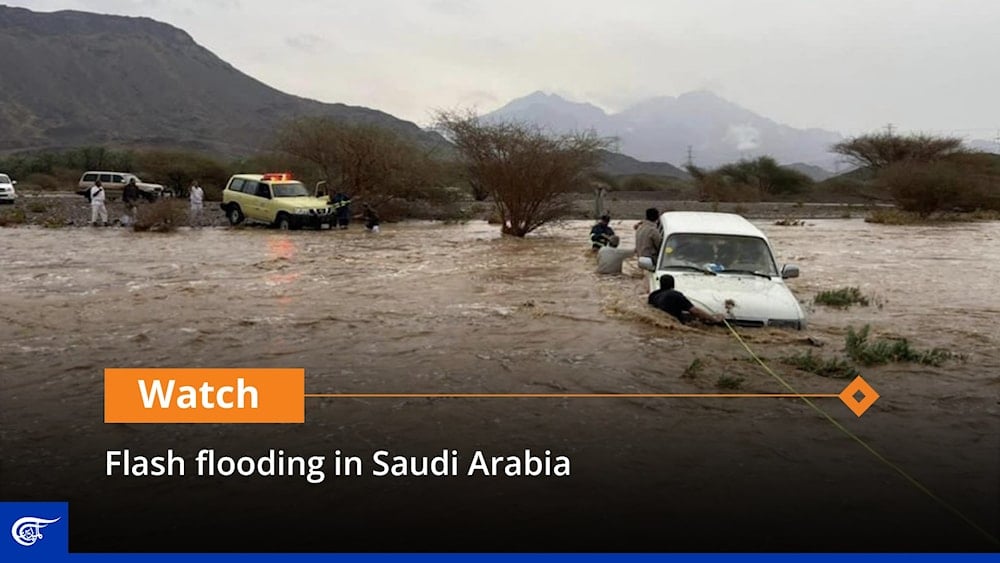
x: 71, y: 78
x: 984, y: 145
x: 661, y: 129
x: 617, y: 164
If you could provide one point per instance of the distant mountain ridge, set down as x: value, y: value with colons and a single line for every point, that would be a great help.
x: 72, y: 78
x: 663, y: 128
x: 617, y: 164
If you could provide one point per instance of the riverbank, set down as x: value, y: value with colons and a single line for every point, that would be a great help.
x: 55, y: 210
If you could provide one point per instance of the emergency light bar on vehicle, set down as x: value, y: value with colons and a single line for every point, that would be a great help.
x: 277, y: 177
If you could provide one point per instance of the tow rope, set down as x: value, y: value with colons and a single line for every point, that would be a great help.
x: 899, y: 470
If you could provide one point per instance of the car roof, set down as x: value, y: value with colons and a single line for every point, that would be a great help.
x: 708, y: 223
x: 260, y: 178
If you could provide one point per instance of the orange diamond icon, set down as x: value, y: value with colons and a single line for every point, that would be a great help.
x: 850, y: 396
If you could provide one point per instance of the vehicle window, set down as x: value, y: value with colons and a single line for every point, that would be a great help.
x: 118, y: 179
x: 290, y: 189
x: 263, y: 190
x: 728, y: 252
x: 89, y: 177
x: 236, y: 185
x: 4, y: 179
x: 105, y: 178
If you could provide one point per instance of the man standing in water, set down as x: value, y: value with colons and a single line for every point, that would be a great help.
x: 371, y: 219
x: 648, y: 236
x: 342, y: 207
x: 97, y: 208
x: 601, y: 233
x: 130, y: 195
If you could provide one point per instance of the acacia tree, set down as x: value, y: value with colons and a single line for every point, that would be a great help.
x: 525, y: 171
x: 925, y: 173
x: 366, y: 161
x: 745, y: 178
x: 766, y: 175
x: 884, y: 149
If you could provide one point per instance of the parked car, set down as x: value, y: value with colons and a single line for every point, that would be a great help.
x: 115, y: 181
x: 275, y: 199
x: 7, y: 193
x: 715, y: 257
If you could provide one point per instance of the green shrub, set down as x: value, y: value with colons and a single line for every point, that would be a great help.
x: 15, y: 216
x: 884, y: 351
x: 162, y: 216
x: 841, y: 298
x: 37, y: 207
x: 832, y: 367
x: 729, y: 382
x: 693, y: 369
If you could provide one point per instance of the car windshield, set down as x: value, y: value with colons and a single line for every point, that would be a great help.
x: 290, y: 189
x: 718, y: 253
x: 4, y: 179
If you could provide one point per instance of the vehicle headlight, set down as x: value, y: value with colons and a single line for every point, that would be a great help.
x: 302, y: 212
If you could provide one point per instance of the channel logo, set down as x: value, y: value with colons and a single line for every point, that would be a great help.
x: 34, y: 531
x: 28, y: 530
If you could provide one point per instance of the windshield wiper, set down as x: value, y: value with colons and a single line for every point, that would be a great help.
x: 750, y: 272
x: 685, y: 267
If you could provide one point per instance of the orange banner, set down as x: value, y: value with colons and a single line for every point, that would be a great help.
x: 200, y: 395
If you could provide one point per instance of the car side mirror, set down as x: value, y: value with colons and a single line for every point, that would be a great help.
x: 646, y: 263
x: 789, y: 271
x: 13, y: 182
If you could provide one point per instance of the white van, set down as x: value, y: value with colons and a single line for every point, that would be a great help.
x: 113, y: 181
x: 715, y: 257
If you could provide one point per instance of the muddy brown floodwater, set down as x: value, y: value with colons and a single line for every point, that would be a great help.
x: 456, y: 308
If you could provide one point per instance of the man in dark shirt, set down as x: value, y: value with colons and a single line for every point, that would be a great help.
x: 672, y: 301
x: 601, y: 233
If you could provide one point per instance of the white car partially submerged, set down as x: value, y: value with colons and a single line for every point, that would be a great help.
x: 7, y: 192
x: 716, y: 257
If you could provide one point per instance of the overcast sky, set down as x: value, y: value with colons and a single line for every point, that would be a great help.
x: 846, y: 65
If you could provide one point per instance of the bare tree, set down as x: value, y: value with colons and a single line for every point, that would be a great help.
x: 365, y: 161
x: 314, y: 140
x: 883, y: 149
x: 526, y: 171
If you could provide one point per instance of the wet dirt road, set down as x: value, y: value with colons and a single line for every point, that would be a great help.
x: 457, y: 308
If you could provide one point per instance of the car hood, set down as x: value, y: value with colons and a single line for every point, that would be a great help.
x: 755, y: 298
x: 147, y: 185
x: 304, y: 202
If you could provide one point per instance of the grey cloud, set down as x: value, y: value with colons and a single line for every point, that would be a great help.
x: 453, y: 7
x: 306, y: 42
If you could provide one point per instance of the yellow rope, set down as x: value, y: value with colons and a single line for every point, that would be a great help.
x: 913, y: 481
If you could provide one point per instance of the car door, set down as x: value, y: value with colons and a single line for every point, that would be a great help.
x: 265, y: 212
x: 250, y: 201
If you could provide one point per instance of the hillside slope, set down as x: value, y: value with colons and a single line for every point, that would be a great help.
x: 72, y: 78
